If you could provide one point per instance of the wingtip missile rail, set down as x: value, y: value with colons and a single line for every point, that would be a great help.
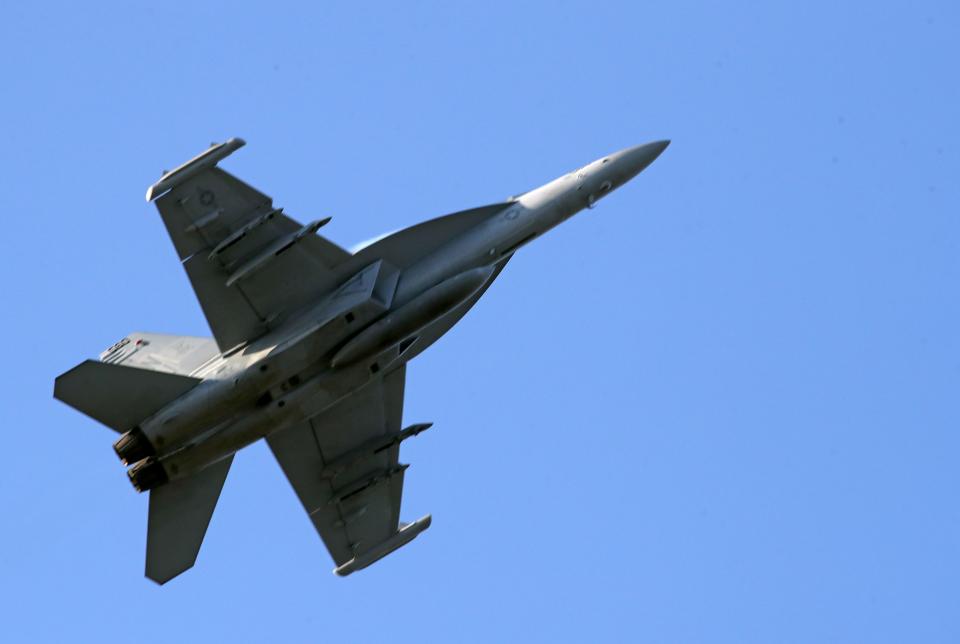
x: 401, y: 537
x: 209, y: 157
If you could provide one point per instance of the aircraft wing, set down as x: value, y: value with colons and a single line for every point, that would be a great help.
x: 344, y: 466
x: 249, y: 264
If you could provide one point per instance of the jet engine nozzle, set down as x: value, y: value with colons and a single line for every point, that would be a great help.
x: 147, y: 474
x: 133, y: 446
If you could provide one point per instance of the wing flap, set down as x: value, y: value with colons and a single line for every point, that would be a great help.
x: 295, y: 449
x: 232, y: 317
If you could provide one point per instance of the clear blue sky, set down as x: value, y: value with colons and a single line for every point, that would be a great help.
x: 721, y: 407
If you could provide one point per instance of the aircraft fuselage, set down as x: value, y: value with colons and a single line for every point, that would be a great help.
x: 377, y: 320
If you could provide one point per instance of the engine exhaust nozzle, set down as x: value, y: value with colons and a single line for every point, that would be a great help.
x: 133, y: 446
x: 147, y: 474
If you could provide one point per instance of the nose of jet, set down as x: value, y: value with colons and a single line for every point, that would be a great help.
x: 631, y: 161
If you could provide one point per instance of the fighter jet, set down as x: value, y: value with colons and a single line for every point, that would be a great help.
x: 309, y: 351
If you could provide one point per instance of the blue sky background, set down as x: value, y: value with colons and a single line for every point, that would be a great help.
x: 721, y: 407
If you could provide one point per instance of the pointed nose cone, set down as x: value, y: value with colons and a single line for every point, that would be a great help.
x: 632, y: 161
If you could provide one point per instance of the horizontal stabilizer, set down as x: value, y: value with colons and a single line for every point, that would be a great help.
x: 119, y: 397
x: 180, y: 512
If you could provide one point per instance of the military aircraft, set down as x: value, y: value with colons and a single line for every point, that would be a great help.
x: 309, y: 350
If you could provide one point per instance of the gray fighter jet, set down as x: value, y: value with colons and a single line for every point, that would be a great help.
x: 309, y: 350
